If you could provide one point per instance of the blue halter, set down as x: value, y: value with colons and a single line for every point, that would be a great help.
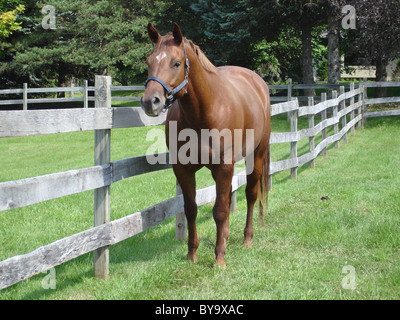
x: 170, y: 93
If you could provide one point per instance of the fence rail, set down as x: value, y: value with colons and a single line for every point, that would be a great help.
x: 84, y: 90
x: 274, y: 98
x: 14, y: 194
x: 311, y: 111
x: 36, y: 122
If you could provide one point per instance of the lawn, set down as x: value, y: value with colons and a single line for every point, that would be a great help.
x: 299, y: 253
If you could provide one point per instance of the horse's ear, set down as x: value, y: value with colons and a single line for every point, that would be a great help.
x: 153, y: 33
x: 177, y: 33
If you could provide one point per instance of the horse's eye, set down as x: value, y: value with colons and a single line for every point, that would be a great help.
x: 177, y: 64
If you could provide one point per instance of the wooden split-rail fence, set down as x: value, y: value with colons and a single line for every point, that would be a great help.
x: 346, y: 109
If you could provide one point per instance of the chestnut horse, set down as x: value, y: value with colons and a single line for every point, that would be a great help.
x: 204, y: 97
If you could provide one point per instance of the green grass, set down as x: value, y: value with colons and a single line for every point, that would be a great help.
x: 299, y: 254
x: 127, y: 94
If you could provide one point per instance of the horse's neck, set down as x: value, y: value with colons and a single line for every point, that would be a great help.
x: 196, y: 104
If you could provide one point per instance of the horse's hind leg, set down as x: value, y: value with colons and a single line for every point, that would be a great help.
x: 252, y: 185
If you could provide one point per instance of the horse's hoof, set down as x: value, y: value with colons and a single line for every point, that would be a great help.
x: 247, y: 243
x: 220, y: 264
x: 191, y: 257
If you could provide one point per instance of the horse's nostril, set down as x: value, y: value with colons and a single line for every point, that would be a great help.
x: 156, y: 100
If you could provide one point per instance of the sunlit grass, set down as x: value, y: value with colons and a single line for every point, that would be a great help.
x: 299, y: 254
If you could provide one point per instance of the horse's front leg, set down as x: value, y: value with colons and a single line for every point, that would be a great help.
x: 187, y: 181
x: 223, y: 177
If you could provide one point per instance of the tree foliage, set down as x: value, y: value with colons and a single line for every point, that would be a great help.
x: 91, y: 37
x: 226, y: 29
x: 8, y: 21
x: 377, y: 30
x: 375, y: 40
x: 277, y: 38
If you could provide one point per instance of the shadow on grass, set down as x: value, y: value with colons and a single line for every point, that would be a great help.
x: 68, y: 282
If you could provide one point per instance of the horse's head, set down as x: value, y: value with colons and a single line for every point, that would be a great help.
x: 168, y: 71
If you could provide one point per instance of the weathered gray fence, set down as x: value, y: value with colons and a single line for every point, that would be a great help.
x: 289, y: 88
x: 85, y: 89
x: 368, y: 102
x: 103, y: 119
x: 340, y: 111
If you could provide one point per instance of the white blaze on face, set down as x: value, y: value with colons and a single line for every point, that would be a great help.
x: 161, y: 56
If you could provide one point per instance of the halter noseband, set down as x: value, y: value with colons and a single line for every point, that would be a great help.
x: 170, y: 93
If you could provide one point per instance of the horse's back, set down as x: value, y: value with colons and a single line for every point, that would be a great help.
x: 242, y: 102
x: 245, y: 81
x: 248, y: 97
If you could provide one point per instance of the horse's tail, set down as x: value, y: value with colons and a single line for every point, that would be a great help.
x: 264, y: 186
x: 264, y: 179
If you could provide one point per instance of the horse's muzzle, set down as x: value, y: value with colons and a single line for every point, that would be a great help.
x: 152, y: 106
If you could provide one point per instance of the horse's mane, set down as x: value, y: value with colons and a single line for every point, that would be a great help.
x: 207, y: 64
x: 202, y: 57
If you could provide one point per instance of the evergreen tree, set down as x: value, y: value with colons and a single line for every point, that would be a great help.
x: 227, y: 30
x: 181, y: 12
x: 90, y: 37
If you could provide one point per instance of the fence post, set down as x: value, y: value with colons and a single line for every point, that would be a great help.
x: 311, y: 140
x: 353, y: 128
x: 334, y: 114
x: 102, y: 140
x: 361, y: 108
x: 180, y: 219
x: 85, y: 95
x: 364, y: 107
x: 289, y: 92
x: 293, y: 145
x: 72, y: 93
x: 290, y: 89
x: 25, y: 97
x: 323, y: 118
x: 344, y: 119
